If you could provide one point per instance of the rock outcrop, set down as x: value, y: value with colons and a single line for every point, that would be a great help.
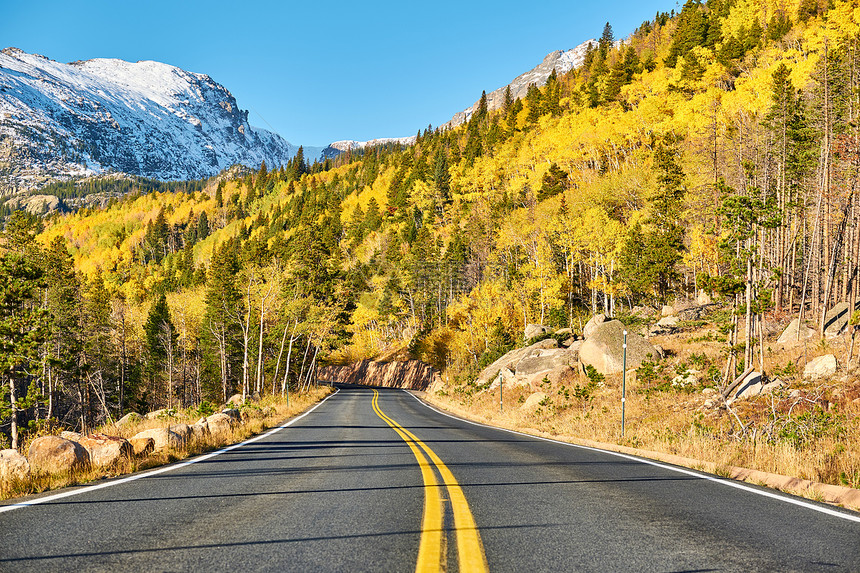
x: 820, y: 367
x: 162, y: 413
x: 603, y: 349
x: 184, y: 431
x: 56, y: 454
x: 592, y: 324
x: 534, y: 330
x: 510, y: 360
x: 791, y: 335
x: 836, y: 319
x: 412, y: 374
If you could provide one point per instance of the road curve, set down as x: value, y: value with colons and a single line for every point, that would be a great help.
x: 343, y: 489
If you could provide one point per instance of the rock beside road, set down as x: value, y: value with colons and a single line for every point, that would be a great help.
x: 162, y: 438
x: 534, y: 400
x: 604, y: 349
x: 220, y: 423
x: 13, y: 466
x: 56, y: 454
x: 106, y: 450
x: 142, y: 446
x: 129, y: 420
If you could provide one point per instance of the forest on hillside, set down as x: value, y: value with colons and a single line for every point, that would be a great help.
x: 714, y: 151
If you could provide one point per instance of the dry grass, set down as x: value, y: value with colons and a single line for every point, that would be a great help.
x: 257, y: 422
x: 814, y: 436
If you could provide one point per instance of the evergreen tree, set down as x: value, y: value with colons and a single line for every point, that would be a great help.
x: 373, y: 218
x: 482, y: 111
x: 202, y: 226
x: 20, y: 232
x: 262, y: 178
x: 508, y: 101
x: 692, y: 31
x: 442, y: 178
x: 552, y: 95
x: 23, y: 330
x: 220, y: 332
x: 691, y: 70
x: 607, y: 39
x: 64, y: 344
x: 554, y: 181
x: 161, y: 339
x: 534, y: 99
x: 648, y: 259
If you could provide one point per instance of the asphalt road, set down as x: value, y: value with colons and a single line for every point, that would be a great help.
x: 344, y: 489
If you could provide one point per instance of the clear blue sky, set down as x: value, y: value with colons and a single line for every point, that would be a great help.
x: 318, y: 72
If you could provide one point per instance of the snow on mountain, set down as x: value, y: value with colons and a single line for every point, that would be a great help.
x: 144, y: 118
x: 562, y: 61
x: 336, y: 148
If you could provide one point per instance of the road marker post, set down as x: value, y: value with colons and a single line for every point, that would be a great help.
x: 501, y: 386
x: 623, y: 381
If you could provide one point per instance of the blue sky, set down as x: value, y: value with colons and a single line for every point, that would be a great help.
x: 321, y: 72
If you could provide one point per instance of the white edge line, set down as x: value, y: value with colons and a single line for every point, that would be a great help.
x: 165, y: 469
x: 705, y: 476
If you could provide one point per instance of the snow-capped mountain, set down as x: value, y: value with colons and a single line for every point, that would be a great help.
x: 144, y: 118
x: 562, y: 61
x: 336, y: 148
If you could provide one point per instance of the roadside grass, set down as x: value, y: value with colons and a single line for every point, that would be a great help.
x: 269, y: 412
x: 805, y: 430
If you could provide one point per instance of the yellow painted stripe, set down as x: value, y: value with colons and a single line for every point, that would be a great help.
x: 430, y: 557
x: 470, y: 550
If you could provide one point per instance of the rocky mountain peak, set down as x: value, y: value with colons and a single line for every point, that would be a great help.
x: 562, y: 61
x: 143, y: 118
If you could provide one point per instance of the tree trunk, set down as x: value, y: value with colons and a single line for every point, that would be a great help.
x: 14, y: 403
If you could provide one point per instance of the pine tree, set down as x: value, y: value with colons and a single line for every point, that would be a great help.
x: 534, y: 99
x: 508, y: 101
x: 23, y: 330
x: 442, y: 178
x: 262, y: 178
x: 20, y: 232
x: 202, y: 226
x: 64, y: 344
x: 482, y: 111
x: 607, y: 39
x: 552, y: 95
x: 220, y: 333
x: 161, y: 339
x: 373, y: 218
x: 649, y: 257
x: 692, y: 31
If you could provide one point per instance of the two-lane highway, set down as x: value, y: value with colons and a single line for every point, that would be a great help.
x: 363, y: 482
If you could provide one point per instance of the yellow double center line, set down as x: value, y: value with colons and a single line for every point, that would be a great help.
x: 431, y: 556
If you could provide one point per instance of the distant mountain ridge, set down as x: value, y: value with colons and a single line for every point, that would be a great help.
x: 336, y: 148
x: 145, y: 118
x: 562, y: 61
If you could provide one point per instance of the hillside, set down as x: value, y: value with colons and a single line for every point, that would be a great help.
x: 712, y: 154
